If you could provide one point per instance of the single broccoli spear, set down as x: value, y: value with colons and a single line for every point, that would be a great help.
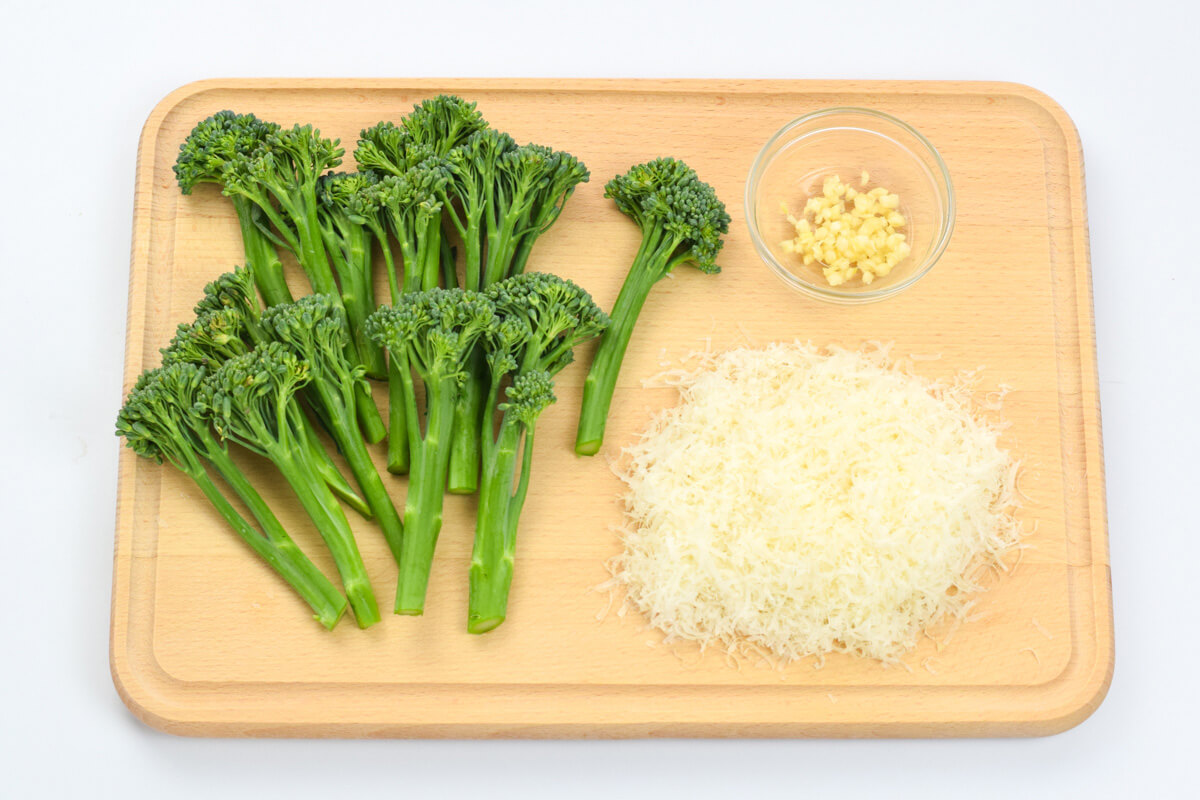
x: 248, y: 398
x: 203, y: 158
x: 682, y: 221
x: 160, y: 421
x: 431, y: 334
x: 542, y: 319
x: 227, y: 324
x: 315, y: 329
x: 346, y: 215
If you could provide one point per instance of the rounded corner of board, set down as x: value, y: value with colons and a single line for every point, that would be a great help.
x: 1045, y: 103
x: 1082, y: 693
x: 139, y: 697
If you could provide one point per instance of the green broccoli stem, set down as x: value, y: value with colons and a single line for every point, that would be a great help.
x: 601, y: 380
x: 315, y: 261
x: 334, y: 528
x: 349, y: 439
x: 469, y: 411
x: 358, y: 298
x: 448, y: 262
x: 312, y: 255
x: 277, y: 548
x: 323, y: 465
x: 501, y: 247
x: 289, y: 563
x: 397, y: 446
x: 261, y: 256
x: 370, y: 421
x: 521, y: 256
x: 491, y: 570
x: 429, y: 245
x: 426, y: 490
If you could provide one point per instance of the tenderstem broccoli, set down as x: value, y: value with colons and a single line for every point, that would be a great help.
x: 228, y: 324
x: 541, y: 319
x: 248, y: 398
x: 429, y: 336
x: 316, y: 330
x: 203, y: 158
x: 682, y: 221
x: 409, y: 158
x: 500, y: 199
x: 410, y: 206
x: 278, y: 177
x: 344, y: 215
x: 160, y: 420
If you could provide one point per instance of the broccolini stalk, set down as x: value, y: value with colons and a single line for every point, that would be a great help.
x: 280, y: 177
x: 316, y: 331
x: 508, y: 196
x: 542, y: 319
x: 203, y: 158
x: 248, y: 399
x: 428, y: 335
x: 346, y: 214
x: 160, y: 421
x: 682, y: 221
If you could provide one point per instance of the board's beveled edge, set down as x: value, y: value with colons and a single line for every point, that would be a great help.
x: 157, y: 711
x: 1091, y: 686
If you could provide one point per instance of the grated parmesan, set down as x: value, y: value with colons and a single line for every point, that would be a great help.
x: 804, y: 503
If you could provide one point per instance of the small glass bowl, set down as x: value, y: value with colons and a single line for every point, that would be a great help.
x: 794, y: 163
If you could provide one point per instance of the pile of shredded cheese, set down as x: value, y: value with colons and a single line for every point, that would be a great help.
x: 807, y: 502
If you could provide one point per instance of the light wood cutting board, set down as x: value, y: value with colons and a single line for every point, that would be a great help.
x: 207, y: 641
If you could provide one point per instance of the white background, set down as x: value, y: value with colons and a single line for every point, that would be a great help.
x: 77, y: 83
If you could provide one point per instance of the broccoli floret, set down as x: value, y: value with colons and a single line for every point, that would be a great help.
x: 443, y: 122
x: 434, y: 128
x: 160, y: 421
x: 542, y: 318
x: 204, y: 157
x: 216, y: 141
x: 249, y: 399
x: 429, y: 335
x: 682, y: 221
x: 314, y: 328
x: 234, y: 290
x: 213, y: 338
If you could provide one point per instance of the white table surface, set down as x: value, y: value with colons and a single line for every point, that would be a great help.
x: 76, y: 83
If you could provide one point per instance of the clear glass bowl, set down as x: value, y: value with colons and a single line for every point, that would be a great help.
x: 792, y: 166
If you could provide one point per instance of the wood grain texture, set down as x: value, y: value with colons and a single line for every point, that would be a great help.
x: 207, y: 641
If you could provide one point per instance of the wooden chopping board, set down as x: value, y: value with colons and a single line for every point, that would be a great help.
x: 207, y: 641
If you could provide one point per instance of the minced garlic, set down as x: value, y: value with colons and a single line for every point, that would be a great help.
x: 850, y: 232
